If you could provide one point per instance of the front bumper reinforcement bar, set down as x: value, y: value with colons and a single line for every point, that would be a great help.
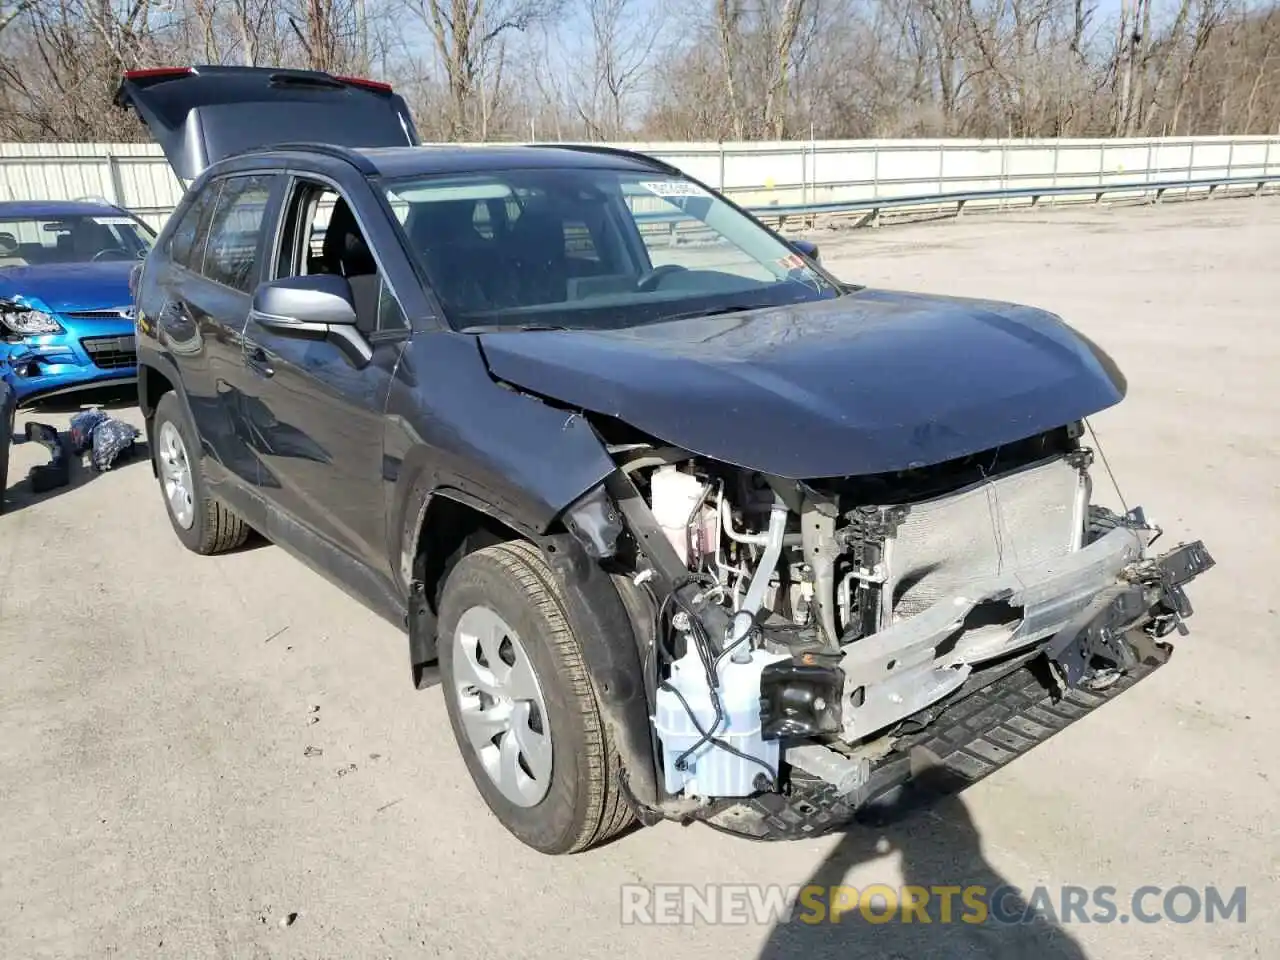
x: 1002, y: 710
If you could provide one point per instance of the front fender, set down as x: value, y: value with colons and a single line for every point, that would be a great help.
x: 451, y: 429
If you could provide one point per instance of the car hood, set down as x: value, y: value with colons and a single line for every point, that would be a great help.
x: 871, y: 382
x: 71, y: 286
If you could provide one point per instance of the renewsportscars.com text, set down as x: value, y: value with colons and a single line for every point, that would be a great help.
x: 939, y: 903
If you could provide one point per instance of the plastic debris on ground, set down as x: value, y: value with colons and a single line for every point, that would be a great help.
x: 108, y: 438
x: 57, y: 472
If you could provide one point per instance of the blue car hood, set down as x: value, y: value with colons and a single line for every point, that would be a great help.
x: 71, y: 286
x: 871, y: 382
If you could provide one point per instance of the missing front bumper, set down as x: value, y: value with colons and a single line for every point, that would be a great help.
x: 1000, y: 710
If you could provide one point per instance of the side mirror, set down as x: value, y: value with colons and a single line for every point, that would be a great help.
x: 301, y: 301
x: 316, y: 307
x: 806, y: 247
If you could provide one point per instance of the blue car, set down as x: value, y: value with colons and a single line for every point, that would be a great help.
x: 66, y: 310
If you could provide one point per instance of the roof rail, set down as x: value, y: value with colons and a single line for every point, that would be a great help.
x: 614, y: 152
x: 349, y: 154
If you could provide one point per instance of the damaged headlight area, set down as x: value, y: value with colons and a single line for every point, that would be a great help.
x: 20, y: 319
x: 803, y: 630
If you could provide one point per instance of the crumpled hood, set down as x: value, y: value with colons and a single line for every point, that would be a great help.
x: 871, y: 382
x: 71, y: 286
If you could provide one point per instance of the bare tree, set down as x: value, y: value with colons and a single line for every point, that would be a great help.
x: 469, y: 37
x: 683, y: 69
x: 624, y: 35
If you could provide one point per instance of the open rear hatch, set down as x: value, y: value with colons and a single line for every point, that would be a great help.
x: 199, y: 115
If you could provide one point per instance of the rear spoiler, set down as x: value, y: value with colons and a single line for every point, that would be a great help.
x: 203, y: 114
x: 150, y: 76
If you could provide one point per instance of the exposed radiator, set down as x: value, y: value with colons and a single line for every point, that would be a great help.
x: 1010, y: 521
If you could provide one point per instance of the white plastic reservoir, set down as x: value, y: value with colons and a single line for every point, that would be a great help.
x: 713, y: 771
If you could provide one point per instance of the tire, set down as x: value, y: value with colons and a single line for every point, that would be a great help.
x: 206, y: 526
x: 578, y: 804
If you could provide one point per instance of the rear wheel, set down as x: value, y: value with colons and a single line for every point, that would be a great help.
x: 204, y: 525
x: 521, y: 703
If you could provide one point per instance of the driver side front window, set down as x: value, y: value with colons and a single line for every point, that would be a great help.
x: 323, y: 236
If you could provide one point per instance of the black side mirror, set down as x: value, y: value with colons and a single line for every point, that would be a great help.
x: 806, y: 247
x: 316, y: 307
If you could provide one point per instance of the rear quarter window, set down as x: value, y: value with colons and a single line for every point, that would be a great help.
x: 186, y: 247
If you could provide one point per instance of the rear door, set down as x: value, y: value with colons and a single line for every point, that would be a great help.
x: 200, y: 115
x: 216, y: 260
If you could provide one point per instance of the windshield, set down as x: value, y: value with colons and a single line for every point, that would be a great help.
x: 74, y: 239
x: 591, y: 248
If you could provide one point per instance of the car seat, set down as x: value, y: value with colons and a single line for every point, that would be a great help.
x: 535, y: 253
x: 463, y: 265
x: 10, y: 252
x: 346, y: 254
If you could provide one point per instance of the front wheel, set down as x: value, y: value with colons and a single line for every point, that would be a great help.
x: 204, y: 525
x: 521, y: 703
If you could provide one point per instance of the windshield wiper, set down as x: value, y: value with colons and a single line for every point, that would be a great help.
x: 511, y: 327
x: 717, y: 311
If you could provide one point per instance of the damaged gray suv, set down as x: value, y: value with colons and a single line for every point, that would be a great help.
x: 687, y: 528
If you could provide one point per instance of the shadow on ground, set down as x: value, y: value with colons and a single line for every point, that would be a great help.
x: 938, y: 846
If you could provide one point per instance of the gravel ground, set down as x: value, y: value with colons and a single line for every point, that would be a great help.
x: 195, y: 750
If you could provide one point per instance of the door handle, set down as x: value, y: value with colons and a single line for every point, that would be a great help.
x: 257, y: 358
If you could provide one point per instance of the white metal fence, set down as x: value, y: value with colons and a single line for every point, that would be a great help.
x: 754, y: 174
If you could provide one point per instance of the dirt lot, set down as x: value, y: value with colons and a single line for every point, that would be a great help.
x: 159, y: 797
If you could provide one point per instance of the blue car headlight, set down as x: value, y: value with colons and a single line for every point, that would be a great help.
x: 26, y: 322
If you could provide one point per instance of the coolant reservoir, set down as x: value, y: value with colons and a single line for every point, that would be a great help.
x: 713, y: 771
x: 674, y: 496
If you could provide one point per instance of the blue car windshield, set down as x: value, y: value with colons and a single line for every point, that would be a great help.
x: 72, y: 239
x: 591, y: 248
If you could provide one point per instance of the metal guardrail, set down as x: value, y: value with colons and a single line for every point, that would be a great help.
x: 872, y: 206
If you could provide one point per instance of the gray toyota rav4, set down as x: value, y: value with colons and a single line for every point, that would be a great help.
x: 687, y: 527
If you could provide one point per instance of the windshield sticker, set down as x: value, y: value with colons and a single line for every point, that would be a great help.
x: 113, y: 221
x: 674, y: 188
x: 792, y: 262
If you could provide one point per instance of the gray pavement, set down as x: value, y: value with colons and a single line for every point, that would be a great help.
x: 156, y: 708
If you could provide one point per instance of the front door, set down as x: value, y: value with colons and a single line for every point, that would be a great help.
x: 317, y: 412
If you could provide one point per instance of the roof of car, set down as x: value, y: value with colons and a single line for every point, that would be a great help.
x: 55, y: 208
x: 428, y: 159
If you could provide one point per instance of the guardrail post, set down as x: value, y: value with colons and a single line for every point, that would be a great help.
x: 115, y: 187
x: 1004, y: 169
x: 1231, y: 154
x: 1102, y: 168
x: 875, y: 172
x: 1191, y: 170
x: 721, y: 184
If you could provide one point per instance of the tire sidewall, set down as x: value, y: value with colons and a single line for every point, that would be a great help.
x: 553, y: 824
x: 170, y: 410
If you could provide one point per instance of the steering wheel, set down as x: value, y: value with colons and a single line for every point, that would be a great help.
x: 649, y: 281
x: 110, y: 251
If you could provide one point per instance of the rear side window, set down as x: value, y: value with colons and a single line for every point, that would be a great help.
x: 231, y: 254
x: 186, y: 248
